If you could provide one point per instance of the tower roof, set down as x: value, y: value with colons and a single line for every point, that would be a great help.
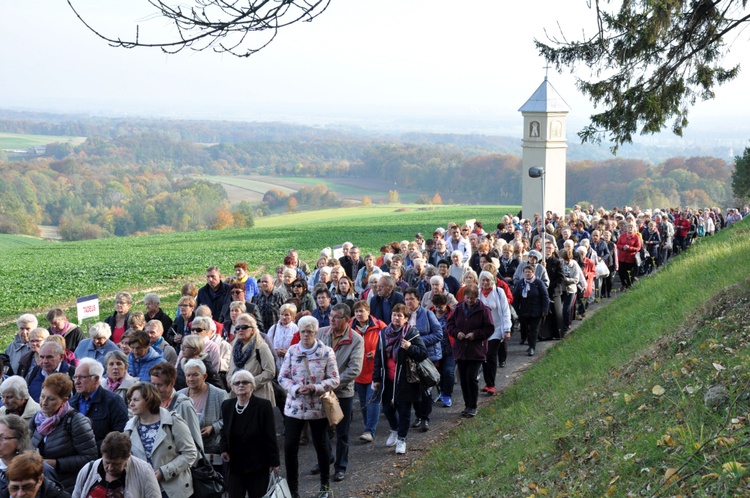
x: 545, y: 99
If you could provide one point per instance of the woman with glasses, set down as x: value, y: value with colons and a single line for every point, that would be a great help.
x: 248, y: 422
x: 309, y: 369
x: 14, y: 440
x: 31, y: 359
x: 62, y: 435
x: 193, y: 348
x: 181, y: 326
x: 301, y: 292
x: 117, y: 378
x: 26, y: 477
x: 207, y: 400
x: 250, y: 352
x: 118, y: 322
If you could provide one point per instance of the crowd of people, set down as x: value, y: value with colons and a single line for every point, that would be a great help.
x: 134, y: 407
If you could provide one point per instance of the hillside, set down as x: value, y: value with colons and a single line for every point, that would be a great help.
x: 621, y: 407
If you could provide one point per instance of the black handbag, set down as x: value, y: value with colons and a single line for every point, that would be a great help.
x: 423, y: 372
x: 207, y: 483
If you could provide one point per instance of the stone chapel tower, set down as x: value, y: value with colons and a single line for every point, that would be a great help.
x: 544, y: 146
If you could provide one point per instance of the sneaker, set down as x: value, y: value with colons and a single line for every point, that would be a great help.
x: 484, y: 389
x: 417, y: 422
x: 366, y: 437
x: 471, y: 412
x: 531, y: 351
x: 447, y: 401
x: 425, y: 425
x: 490, y: 391
x: 392, y: 439
x: 400, y: 446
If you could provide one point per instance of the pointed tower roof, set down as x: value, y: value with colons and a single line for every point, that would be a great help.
x: 545, y: 99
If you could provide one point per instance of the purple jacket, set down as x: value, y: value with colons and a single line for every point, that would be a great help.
x: 467, y: 320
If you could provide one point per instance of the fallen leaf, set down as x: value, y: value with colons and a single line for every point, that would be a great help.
x: 658, y: 390
x: 542, y: 491
x: 670, y: 476
x: 568, y: 424
x: 627, y: 398
x: 611, y: 490
x: 719, y: 367
x: 628, y: 456
x: 733, y: 467
x: 666, y: 440
x: 689, y: 389
x: 521, y: 467
x: 712, y: 475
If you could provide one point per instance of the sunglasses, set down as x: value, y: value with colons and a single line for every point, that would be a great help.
x: 241, y: 383
x: 299, y: 286
x: 243, y: 327
x: 197, y: 330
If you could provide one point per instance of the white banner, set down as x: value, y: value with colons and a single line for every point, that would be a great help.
x: 88, y: 306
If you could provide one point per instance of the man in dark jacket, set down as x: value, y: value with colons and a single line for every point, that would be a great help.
x: 215, y: 293
x: 50, y: 361
x: 238, y: 293
x: 105, y: 409
x: 382, y: 304
x: 556, y: 275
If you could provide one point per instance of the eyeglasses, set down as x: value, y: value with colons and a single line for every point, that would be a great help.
x: 29, y: 486
x: 336, y: 317
x: 197, y: 330
x: 243, y: 327
x: 241, y: 383
x: 298, y: 286
x: 237, y: 292
x: 82, y: 377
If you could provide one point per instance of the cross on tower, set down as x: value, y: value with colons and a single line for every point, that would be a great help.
x: 546, y: 70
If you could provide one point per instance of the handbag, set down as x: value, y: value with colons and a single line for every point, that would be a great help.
x: 207, y: 483
x: 423, y: 372
x: 277, y: 487
x: 637, y: 259
x: 330, y: 402
x: 332, y: 408
x: 601, y: 269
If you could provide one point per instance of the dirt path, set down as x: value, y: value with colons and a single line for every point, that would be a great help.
x: 372, y: 466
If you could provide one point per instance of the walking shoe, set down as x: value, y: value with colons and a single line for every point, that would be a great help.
x: 484, y: 389
x: 447, y: 401
x: 471, y: 412
x: 417, y: 422
x: 366, y: 437
x: 502, y: 364
x: 339, y: 476
x: 531, y: 351
x: 325, y: 491
x: 490, y: 391
x: 392, y: 438
x: 400, y: 446
x: 425, y: 425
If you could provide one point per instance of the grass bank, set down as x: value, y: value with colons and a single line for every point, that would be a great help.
x: 617, y: 409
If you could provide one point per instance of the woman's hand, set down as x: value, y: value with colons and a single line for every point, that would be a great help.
x: 281, y: 352
x: 306, y: 390
x: 178, y: 338
x: 405, y: 344
x: 207, y: 431
x: 51, y: 462
x: 225, y: 457
x: 376, y: 386
x: 370, y: 355
x: 159, y: 475
x: 470, y: 336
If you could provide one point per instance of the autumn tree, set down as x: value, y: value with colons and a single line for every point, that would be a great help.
x: 366, y: 200
x: 436, y: 199
x: 650, y: 61
x: 393, y: 197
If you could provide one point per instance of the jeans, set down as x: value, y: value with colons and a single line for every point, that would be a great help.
x: 292, y: 432
x: 467, y: 374
x: 342, y: 435
x: 370, y: 409
x: 447, y: 366
x: 397, y: 414
x: 496, y: 349
x: 423, y: 408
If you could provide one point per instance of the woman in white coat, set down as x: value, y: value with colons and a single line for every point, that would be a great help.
x: 497, y: 351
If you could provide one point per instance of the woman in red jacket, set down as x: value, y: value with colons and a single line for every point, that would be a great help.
x: 369, y: 328
x: 628, y: 245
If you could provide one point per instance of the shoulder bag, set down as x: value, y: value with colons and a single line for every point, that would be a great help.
x: 330, y: 402
x: 277, y: 487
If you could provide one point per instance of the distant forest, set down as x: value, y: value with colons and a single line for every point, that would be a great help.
x: 131, y: 176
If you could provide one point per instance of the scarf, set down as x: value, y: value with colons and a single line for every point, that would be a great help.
x: 112, y: 385
x: 45, y: 425
x: 61, y: 331
x: 393, y: 337
x: 240, y: 358
x: 309, y: 351
x: 527, y: 286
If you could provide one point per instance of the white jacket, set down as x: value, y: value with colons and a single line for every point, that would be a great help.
x: 140, y: 480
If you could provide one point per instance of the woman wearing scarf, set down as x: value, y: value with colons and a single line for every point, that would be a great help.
x: 309, y: 369
x: 283, y: 331
x: 531, y: 300
x: 250, y: 352
x: 59, y: 325
x: 62, y: 435
x: 470, y: 325
x: 398, y: 342
x: 497, y: 349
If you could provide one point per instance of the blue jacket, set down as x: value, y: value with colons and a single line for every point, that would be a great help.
x: 105, y: 410
x: 139, y: 368
x: 431, y: 332
x: 35, y: 378
x: 381, y: 308
x: 87, y: 349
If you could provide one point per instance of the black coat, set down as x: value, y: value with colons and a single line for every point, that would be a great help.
x: 214, y: 299
x: 556, y: 276
x: 258, y: 427
x: 107, y: 413
x: 213, y: 377
x: 401, y: 390
x: 536, y: 302
x: 165, y: 320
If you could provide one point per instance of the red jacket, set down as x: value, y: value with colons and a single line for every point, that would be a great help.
x: 634, y: 245
x: 371, y: 336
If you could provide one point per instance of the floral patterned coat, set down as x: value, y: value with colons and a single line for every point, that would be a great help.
x: 323, y: 374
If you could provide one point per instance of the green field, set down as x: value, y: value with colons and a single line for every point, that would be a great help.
x: 39, y: 276
x: 23, y: 141
x: 19, y: 241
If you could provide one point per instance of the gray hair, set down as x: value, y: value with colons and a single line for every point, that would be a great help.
x: 240, y: 305
x: 457, y: 253
x: 20, y: 428
x: 94, y: 367
x: 27, y: 319
x: 437, y: 279
x: 117, y: 355
x: 16, y: 385
x: 151, y: 298
x: 288, y: 306
x: 100, y: 329
x: 203, y: 310
x: 58, y: 349
x: 194, y: 363
x: 203, y: 322
x: 487, y: 275
x: 40, y: 332
x: 243, y: 374
x: 306, y: 321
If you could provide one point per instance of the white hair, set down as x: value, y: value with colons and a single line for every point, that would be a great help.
x: 195, y: 363
x: 17, y: 385
x: 100, y: 329
x: 28, y: 319
x: 94, y: 367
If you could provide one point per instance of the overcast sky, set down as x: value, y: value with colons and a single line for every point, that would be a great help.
x: 466, y: 65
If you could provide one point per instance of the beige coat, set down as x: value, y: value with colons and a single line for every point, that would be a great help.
x: 263, y: 367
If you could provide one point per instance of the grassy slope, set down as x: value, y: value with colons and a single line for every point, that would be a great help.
x: 16, y: 241
x: 584, y: 420
x: 23, y: 141
x: 37, y: 277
